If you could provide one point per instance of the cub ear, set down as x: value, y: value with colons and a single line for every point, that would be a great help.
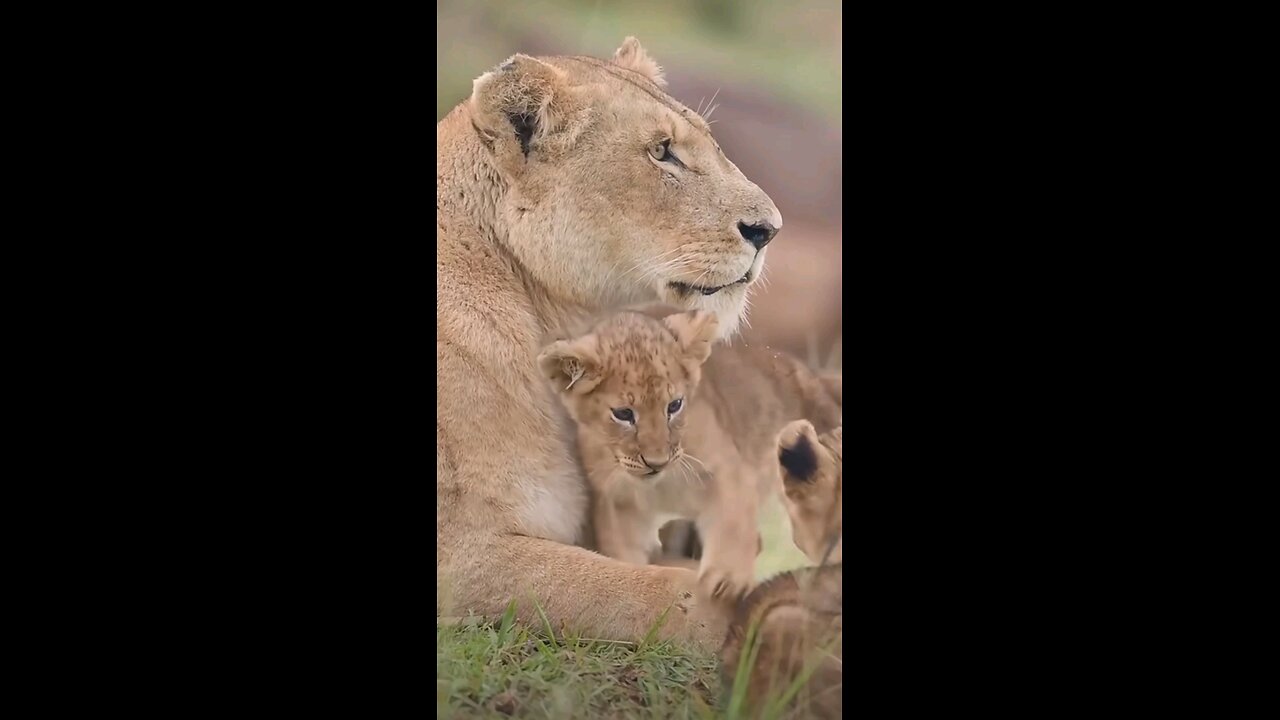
x: 571, y: 365
x: 520, y: 105
x: 696, y: 331
x: 798, y: 456
x: 633, y: 57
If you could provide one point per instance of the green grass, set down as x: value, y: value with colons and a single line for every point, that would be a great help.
x: 506, y: 669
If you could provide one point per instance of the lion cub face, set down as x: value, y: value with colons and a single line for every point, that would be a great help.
x: 813, y: 483
x: 628, y: 383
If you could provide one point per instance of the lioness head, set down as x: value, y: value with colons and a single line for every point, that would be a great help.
x: 813, y: 483
x: 612, y: 192
x: 628, y: 382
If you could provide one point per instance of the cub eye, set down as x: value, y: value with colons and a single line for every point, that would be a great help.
x: 624, y: 415
x: 675, y: 406
x: 661, y: 151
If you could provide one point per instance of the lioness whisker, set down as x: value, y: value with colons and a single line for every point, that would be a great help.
x: 658, y: 268
x: 711, y: 107
x: 679, y: 262
x: 653, y: 259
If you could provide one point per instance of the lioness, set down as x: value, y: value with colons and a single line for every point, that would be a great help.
x: 663, y: 436
x: 797, y: 618
x: 566, y: 186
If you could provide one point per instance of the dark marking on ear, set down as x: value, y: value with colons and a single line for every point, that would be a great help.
x: 507, y: 66
x: 799, y: 460
x: 524, y: 125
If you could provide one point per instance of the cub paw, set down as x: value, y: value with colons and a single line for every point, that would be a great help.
x: 725, y: 582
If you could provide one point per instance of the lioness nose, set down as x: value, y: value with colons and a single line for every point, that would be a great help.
x: 652, y: 465
x: 759, y: 234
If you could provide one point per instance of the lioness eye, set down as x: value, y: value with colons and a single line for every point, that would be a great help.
x: 675, y: 406
x: 661, y: 151
x: 624, y: 415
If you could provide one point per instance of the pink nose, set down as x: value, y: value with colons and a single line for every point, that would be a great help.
x: 654, y: 466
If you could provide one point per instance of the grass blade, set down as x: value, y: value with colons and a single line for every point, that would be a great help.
x: 508, y: 619
x: 751, y: 649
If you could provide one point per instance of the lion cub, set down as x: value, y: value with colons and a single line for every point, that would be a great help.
x: 799, y: 616
x: 667, y: 429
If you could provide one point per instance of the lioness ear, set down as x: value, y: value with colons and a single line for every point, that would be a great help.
x: 520, y: 104
x: 633, y: 57
x: 696, y: 330
x: 571, y: 365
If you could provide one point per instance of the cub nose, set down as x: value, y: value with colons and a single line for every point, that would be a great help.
x: 652, y: 465
x: 759, y: 234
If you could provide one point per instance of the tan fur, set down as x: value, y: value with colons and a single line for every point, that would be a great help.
x: 549, y: 207
x: 713, y: 460
x: 633, y: 57
x: 815, y: 498
x: 799, y: 620
x: 799, y: 615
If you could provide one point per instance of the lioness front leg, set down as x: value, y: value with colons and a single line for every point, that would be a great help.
x: 579, y: 590
x: 730, y: 544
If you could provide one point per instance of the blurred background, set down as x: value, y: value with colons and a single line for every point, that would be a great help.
x: 774, y: 71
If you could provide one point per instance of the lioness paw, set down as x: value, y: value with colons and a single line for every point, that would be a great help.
x: 693, y: 619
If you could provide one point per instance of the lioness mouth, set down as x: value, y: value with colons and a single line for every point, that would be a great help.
x: 689, y: 289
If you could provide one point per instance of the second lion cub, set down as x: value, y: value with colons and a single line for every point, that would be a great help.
x: 667, y: 429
